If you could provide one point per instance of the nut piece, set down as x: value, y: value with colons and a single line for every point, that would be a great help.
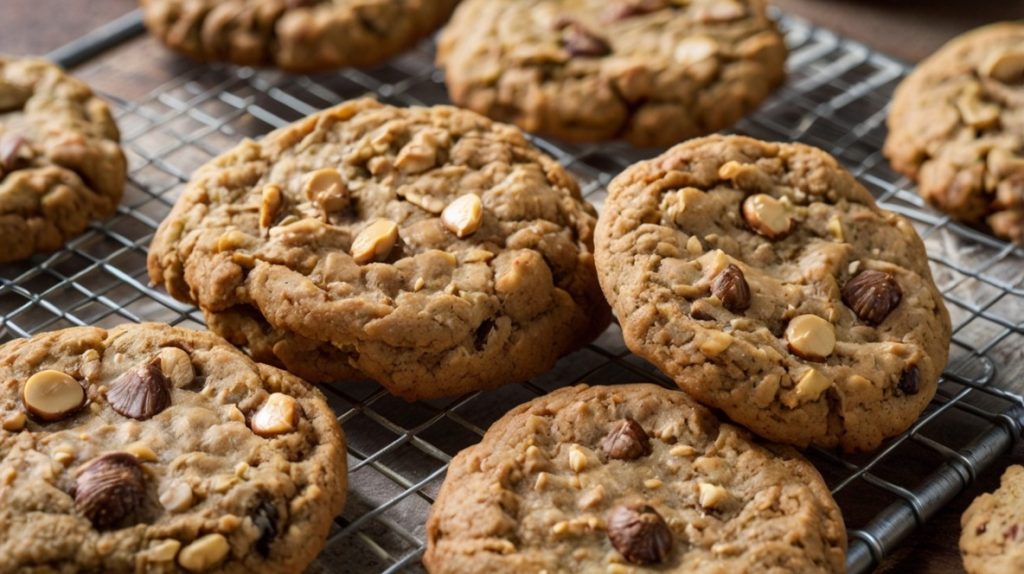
x: 10, y: 145
x: 14, y: 422
x: 52, y: 395
x: 622, y: 9
x: 273, y: 199
x: 627, y: 441
x: 711, y: 495
x: 579, y: 41
x: 767, y: 216
x: 177, y: 497
x: 142, y: 392
x: 811, y: 385
x: 720, y: 11
x: 577, y: 459
x: 327, y: 188
x: 910, y: 381
x: 162, y: 552
x: 279, y: 415
x: 204, y: 553
x: 109, y: 488
x: 375, y: 241
x: 694, y: 49
x: 872, y: 295
x: 811, y: 337
x: 731, y: 288
x: 1007, y: 67
x: 464, y: 215
x: 176, y: 365
x: 639, y: 533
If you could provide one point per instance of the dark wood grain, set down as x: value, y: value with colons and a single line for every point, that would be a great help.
x: 908, y: 29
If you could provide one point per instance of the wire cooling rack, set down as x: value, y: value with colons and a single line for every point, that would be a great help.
x: 835, y: 98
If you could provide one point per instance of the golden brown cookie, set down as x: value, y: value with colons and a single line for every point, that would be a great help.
x: 992, y: 529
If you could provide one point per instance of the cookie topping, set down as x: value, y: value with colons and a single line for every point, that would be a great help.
x: 177, y: 497
x: 279, y: 415
x: 767, y: 216
x: 204, y: 553
x: 811, y: 337
x: 270, y: 205
x: 910, y: 381
x: 464, y: 215
x: 627, y: 441
x: 177, y: 367
x: 639, y: 533
x: 811, y: 385
x: 142, y: 392
x: 109, y: 488
x: 623, y: 9
x: 579, y: 41
x: 52, y: 395
x: 327, y: 189
x: 14, y: 422
x: 872, y: 295
x: 375, y: 241
x: 1006, y: 67
x: 265, y: 518
x: 711, y: 496
x: 723, y: 11
x: 731, y: 288
x: 10, y: 145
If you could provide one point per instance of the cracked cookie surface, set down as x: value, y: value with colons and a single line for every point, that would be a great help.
x: 992, y: 528
x: 957, y: 127
x: 429, y: 249
x: 295, y: 35
x: 630, y: 478
x: 150, y: 448
x: 765, y: 280
x: 653, y: 72
x: 61, y: 165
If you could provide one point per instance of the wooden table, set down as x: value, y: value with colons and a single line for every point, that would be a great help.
x: 908, y: 29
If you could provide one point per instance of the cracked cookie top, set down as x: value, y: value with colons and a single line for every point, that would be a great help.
x: 150, y: 448
x: 619, y: 478
x: 957, y: 127
x: 654, y: 72
x: 295, y: 35
x: 766, y: 281
x: 427, y: 248
x: 60, y: 162
x: 992, y: 528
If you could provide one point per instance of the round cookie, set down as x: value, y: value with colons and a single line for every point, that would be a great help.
x: 602, y: 479
x: 766, y: 281
x: 992, y: 528
x: 60, y: 162
x: 150, y: 448
x: 653, y: 72
x: 429, y: 249
x: 294, y: 35
x: 957, y: 127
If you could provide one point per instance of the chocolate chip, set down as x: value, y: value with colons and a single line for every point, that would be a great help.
x: 109, y: 488
x: 639, y: 533
x: 872, y: 295
x: 579, y: 41
x: 142, y: 392
x: 731, y: 288
x: 910, y: 381
x: 481, y: 334
x: 627, y: 441
x: 265, y: 517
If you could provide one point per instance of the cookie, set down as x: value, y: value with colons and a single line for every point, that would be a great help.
x: 653, y: 72
x: 957, y: 127
x: 150, y: 448
x: 992, y: 528
x: 294, y: 35
x: 429, y: 249
x: 61, y: 165
x: 766, y: 281
x: 604, y: 479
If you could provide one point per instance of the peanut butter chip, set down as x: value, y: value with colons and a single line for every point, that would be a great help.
x: 278, y: 415
x: 767, y: 216
x: 811, y: 337
x: 464, y: 215
x: 52, y: 395
x: 204, y: 553
x: 375, y: 241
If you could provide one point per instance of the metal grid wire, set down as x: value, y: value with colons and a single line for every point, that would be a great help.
x: 835, y: 98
